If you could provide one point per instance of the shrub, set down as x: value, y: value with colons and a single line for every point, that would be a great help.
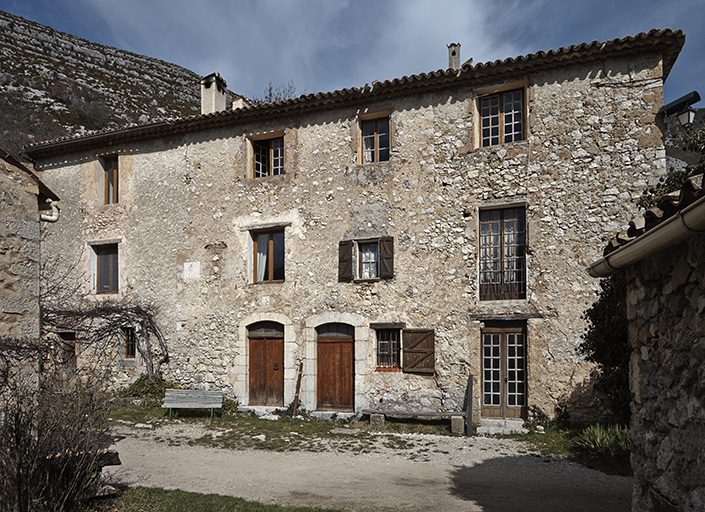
x: 144, y: 388
x: 51, y: 432
x: 606, y: 441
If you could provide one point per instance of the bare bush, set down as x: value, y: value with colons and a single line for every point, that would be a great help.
x: 52, y: 429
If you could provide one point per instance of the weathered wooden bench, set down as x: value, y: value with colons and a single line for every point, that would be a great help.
x: 457, y: 418
x: 192, y: 399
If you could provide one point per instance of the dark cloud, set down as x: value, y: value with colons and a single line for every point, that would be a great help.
x: 324, y: 45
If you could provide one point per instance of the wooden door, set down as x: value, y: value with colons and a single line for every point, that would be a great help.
x: 336, y: 375
x: 266, y: 371
x: 503, y: 373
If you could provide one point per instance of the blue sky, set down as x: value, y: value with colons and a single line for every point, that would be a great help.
x: 325, y: 45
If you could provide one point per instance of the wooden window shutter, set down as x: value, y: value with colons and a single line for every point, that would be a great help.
x: 419, y: 350
x: 386, y: 257
x: 345, y: 268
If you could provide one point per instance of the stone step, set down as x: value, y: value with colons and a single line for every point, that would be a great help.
x: 501, y: 427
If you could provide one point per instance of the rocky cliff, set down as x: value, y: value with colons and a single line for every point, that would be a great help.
x: 54, y: 84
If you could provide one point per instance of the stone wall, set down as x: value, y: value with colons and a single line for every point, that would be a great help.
x: 187, y: 207
x: 19, y: 253
x: 666, y: 301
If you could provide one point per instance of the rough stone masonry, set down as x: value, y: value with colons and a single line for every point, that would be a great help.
x: 190, y: 211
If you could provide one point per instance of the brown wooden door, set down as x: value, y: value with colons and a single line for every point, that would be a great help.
x: 266, y: 371
x: 503, y: 373
x: 336, y: 375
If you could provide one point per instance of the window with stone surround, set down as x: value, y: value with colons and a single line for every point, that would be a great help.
x: 366, y: 260
x: 111, y: 179
x: 503, y: 254
x: 268, y: 255
x: 268, y: 157
x: 502, y: 117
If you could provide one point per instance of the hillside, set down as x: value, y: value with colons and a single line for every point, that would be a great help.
x: 54, y: 84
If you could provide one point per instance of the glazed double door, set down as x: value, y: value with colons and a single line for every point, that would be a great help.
x: 503, y: 374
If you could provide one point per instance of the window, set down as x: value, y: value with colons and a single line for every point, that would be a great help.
x: 268, y: 256
x: 375, y: 140
x: 106, y: 268
x: 269, y: 157
x: 502, y: 254
x: 110, y: 176
x: 130, y: 342
x: 408, y: 350
x: 502, y: 118
x: 366, y: 259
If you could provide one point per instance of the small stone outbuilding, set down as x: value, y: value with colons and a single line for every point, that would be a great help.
x: 664, y: 257
x: 23, y: 203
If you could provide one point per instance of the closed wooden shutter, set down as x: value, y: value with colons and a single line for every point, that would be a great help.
x: 386, y: 257
x: 419, y: 350
x: 345, y: 269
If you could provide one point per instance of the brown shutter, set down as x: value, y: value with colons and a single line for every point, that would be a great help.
x: 345, y: 270
x: 419, y: 356
x: 386, y: 257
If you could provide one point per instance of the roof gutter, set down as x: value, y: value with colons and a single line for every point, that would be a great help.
x: 686, y: 223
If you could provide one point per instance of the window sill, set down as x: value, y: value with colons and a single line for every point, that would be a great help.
x: 374, y: 280
x: 388, y: 369
x: 279, y: 281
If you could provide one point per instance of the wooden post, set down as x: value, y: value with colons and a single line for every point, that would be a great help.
x: 469, y: 408
x: 298, y: 388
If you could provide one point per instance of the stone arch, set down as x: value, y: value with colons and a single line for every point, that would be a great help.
x: 362, y: 355
x: 243, y: 355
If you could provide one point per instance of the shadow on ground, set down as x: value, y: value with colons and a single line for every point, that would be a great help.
x: 533, y: 483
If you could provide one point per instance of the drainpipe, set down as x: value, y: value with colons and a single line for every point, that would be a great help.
x: 688, y: 222
x: 54, y: 213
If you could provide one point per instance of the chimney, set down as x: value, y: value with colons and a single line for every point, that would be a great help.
x: 213, y: 92
x: 454, y: 56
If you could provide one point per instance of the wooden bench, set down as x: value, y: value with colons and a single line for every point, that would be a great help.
x: 192, y: 399
x: 457, y: 418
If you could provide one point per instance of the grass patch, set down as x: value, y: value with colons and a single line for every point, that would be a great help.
x: 143, y: 499
x: 590, y: 446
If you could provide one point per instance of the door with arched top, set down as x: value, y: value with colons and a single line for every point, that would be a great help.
x: 336, y: 367
x: 266, y: 363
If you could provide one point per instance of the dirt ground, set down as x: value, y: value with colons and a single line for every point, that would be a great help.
x: 454, y: 474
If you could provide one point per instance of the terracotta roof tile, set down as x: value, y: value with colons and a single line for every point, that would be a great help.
x: 667, y: 207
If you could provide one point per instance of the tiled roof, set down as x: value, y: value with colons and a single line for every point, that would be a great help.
x: 667, y: 207
x: 667, y: 42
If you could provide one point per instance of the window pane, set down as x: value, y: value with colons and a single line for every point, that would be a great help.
x: 278, y: 256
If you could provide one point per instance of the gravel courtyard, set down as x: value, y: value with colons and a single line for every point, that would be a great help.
x: 438, y: 473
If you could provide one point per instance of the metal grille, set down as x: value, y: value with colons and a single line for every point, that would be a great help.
x: 492, y: 369
x: 516, y: 369
x: 502, y: 254
x: 388, y: 348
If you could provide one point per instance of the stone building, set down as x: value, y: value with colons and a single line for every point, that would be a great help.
x: 663, y: 256
x: 23, y: 203
x: 387, y: 241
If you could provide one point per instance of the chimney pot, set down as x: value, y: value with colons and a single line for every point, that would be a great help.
x: 454, y: 56
x: 214, y: 91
